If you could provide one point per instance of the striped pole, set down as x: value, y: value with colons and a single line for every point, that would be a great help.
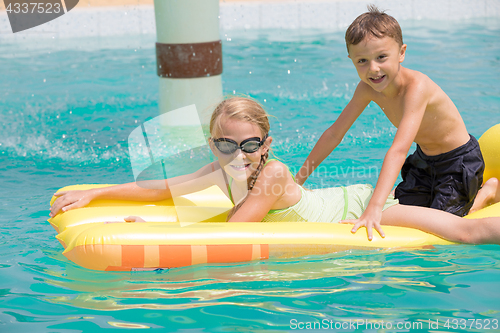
x: 189, y: 56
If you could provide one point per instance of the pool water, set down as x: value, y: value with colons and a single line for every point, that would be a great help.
x: 68, y: 107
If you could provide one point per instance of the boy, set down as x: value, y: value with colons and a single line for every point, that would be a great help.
x: 446, y: 170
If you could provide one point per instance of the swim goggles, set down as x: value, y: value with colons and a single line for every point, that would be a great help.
x: 228, y: 146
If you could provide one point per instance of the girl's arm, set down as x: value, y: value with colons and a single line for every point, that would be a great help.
x: 270, y: 186
x: 334, y: 134
x: 151, y: 190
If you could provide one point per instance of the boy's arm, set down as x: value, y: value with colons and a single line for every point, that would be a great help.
x: 334, y: 134
x: 413, y: 111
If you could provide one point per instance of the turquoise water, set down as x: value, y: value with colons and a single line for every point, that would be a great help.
x: 68, y: 107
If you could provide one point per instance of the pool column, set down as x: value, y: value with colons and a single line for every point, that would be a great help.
x: 189, y: 55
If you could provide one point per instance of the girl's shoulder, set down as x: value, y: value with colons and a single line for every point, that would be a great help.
x: 275, y: 164
x: 276, y: 168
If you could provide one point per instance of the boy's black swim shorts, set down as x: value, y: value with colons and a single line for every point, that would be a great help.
x: 448, y: 181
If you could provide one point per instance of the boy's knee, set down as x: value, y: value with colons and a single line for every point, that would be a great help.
x: 475, y: 231
x: 492, y: 183
x: 467, y: 238
x: 468, y: 231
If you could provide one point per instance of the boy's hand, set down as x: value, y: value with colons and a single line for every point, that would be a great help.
x: 370, y: 219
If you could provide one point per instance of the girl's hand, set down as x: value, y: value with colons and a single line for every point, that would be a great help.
x: 133, y: 219
x: 369, y: 220
x: 67, y: 200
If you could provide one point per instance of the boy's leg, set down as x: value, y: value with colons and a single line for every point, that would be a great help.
x: 487, y: 195
x: 443, y: 224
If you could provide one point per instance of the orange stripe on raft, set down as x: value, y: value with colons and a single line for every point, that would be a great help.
x: 118, y: 269
x: 96, y: 256
x: 229, y: 253
x: 175, y: 255
x: 172, y: 256
x: 151, y: 256
x: 198, y: 254
x: 264, y: 251
x: 132, y: 255
x: 255, y: 252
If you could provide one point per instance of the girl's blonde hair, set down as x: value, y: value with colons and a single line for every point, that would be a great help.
x: 247, y: 110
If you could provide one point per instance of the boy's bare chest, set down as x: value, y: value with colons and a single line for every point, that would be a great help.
x: 392, y: 109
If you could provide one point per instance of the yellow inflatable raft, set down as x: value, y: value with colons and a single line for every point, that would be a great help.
x: 96, y: 237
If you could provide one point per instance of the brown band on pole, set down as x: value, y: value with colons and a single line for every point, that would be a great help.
x: 189, y: 60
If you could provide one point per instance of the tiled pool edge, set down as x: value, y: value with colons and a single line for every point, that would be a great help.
x: 333, y: 15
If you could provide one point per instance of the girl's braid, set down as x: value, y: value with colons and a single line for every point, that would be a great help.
x: 253, y: 177
x: 251, y: 182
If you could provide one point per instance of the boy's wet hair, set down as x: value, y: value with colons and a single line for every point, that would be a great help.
x: 373, y: 23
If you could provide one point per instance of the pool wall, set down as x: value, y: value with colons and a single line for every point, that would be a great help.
x: 139, y: 20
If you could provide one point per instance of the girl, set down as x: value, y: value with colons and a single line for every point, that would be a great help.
x: 265, y: 190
